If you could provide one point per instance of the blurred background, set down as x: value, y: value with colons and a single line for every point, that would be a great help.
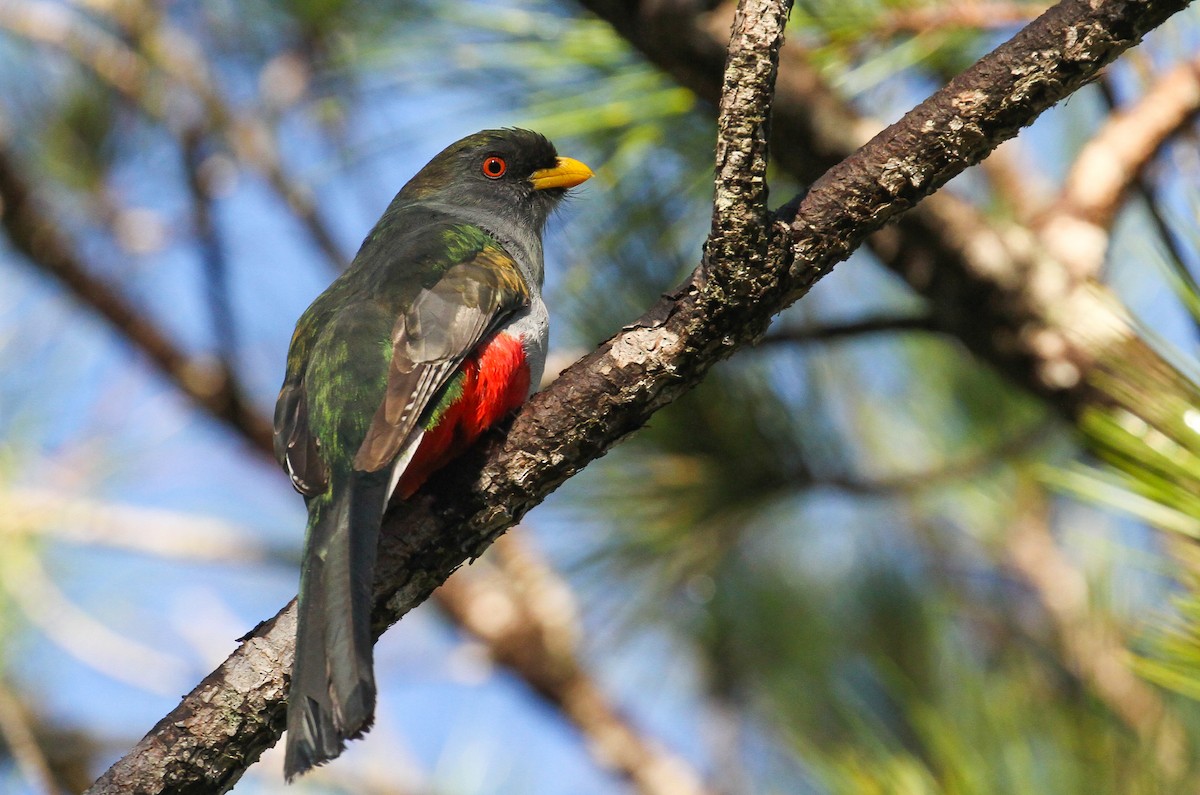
x: 924, y: 538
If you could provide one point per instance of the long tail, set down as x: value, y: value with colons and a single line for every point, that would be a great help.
x: 332, y: 696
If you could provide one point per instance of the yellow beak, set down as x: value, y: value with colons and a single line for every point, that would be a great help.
x: 566, y: 173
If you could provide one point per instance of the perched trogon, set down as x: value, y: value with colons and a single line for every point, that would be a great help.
x: 435, y: 332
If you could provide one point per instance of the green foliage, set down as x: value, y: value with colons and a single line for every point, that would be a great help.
x: 77, y: 149
x: 1006, y: 732
x: 818, y: 597
x: 1147, y: 436
x: 1174, y: 659
x: 862, y: 44
x: 1150, y: 442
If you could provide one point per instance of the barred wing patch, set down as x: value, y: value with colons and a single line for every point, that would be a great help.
x: 296, y: 448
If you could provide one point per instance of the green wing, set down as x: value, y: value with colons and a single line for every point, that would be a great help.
x: 377, y: 349
x: 430, y: 341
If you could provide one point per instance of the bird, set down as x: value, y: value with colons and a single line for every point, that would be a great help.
x: 435, y: 332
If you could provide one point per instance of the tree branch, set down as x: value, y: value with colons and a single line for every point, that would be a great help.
x: 738, y: 241
x: 220, y: 728
x: 525, y: 614
x: 37, y: 235
x: 1076, y: 228
x: 836, y: 332
x: 736, y: 248
x: 947, y: 132
x: 987, y: 283
x: 132, y: 74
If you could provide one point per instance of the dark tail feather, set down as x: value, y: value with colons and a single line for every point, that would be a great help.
x: 332, y: 696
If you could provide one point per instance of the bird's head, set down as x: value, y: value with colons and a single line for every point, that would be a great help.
x: 514, y: 173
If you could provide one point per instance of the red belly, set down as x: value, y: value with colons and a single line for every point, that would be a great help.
x: 495, y: 381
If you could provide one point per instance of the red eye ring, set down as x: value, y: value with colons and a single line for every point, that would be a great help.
x: 494, y: 167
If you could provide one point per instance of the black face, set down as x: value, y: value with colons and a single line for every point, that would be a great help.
x: 491, y: 169
x: 501, y: 156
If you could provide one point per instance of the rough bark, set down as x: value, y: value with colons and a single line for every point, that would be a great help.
x: 204, y: 745
x: 1020, y: 298
x: 992, y: 285
x: 915, y: 156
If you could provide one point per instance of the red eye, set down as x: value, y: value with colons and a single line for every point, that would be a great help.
x: 494, y: 167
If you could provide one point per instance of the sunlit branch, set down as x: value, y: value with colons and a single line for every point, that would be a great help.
x: 963, y: 14
x: 141, y: 332
x: 1094, y: 650
x: 127, y: 526
x: 988, y: 283
x: 197, y: 539
x: 525, y: 613
x: 1076, y: 229
x: 738, y: 241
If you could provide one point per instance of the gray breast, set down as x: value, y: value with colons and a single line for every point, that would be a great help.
x: 532, y: 327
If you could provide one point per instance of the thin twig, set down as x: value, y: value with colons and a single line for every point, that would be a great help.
x: 837, y: 332
x: 35, y: 233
